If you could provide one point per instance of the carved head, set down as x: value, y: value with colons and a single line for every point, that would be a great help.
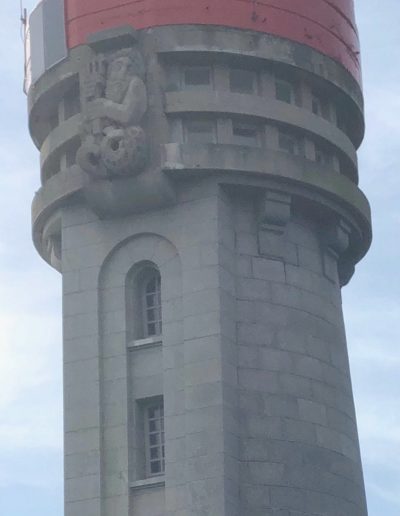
x: 123, y: 66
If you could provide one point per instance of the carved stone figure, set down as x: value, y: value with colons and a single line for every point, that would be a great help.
x: 114, y: 103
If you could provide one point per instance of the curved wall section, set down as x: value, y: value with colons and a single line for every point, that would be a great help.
x: 324, y: 25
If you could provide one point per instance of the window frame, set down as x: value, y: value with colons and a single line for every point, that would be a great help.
x: 279, y: 81
x: 135, y: 311
x: 296, y: 141
x: 148, y: 276
x: 158, y: 404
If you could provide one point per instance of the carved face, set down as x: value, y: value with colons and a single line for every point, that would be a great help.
x: 119, y: 76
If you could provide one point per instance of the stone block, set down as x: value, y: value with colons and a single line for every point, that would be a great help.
x: 288, y: 498
x: 82, y: 441
x: 203, y: 325
x: 114, y: 368
x: 310, y: 259
x: 244, y: 266
x: 82, y: 488
x: 249, y: 357
x: 309, y: 367
x: 204, y: 348
x: 258, y: 380
x: 261, y: 425
x: 253, y: 289
x: 276, y: 246
x: 295, y: 385
x: 81, y: 349
x: 299, y: 431
x: 146, y: 362
x: 278, y: 405
x: 80, y: 325
x: 263, y: 473
x: 313, y: 412
x: 269, y: 270
x: 276, y: 360
x: 201, y: 301
x: 82, y: 464
x: 86, y: 507
x: 246, y: 243
x: 201, y: 372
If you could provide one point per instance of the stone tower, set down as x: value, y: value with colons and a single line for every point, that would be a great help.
x: 199, y: 196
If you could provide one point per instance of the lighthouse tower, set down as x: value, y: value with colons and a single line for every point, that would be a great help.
x: 199, y: 197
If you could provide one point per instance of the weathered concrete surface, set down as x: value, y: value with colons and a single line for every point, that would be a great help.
x: 253, y: 243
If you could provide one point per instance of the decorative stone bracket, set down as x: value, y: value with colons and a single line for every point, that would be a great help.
x: 274, y: 215
x: 275, y: 211
x: 336, y: 241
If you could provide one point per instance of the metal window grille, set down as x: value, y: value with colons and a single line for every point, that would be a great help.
x: 155, y: 453
x: 152, y: 305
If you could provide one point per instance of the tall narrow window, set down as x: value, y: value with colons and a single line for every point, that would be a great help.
x: 289, y: 143
x: 320, y: 106
x: 72, y: 103
x: 284, y: 91
x: 323, y: 156
x: 155, y: 441
x: 151, y: 297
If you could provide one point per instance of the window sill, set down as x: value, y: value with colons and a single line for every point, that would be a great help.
x: 149, y: 342
x: 148, y: 483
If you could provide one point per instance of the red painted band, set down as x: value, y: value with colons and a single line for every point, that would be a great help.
x: 324, y: 25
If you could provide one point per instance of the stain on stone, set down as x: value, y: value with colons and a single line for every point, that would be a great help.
x: 254, y: 17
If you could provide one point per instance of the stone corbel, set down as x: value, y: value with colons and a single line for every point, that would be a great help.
x: 274, y: 215
x: 336, y: 243
x: 275, y: 211
x: 52, y: 242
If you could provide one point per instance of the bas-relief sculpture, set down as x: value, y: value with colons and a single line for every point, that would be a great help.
x: 114, y: 102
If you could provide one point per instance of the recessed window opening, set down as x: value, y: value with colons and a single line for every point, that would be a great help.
x: 53, y: 119
x: 323, y: 156
x: 319, y: 106
x: 245, y: 134
x: 316, y: 106
x: 284, y: 91
x: 197, y: 76
x: 70, y: 156
x: 151, y: 298
x: 200, y: 131
x: 342, y: 121
x: 72, y: 103
x: 155, y: 440
x: 242, y: 81
x: 288, y: 142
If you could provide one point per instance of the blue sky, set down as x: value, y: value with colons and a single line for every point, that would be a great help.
x: 30, y: 303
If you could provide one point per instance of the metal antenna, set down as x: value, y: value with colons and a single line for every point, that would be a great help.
x: 23, y: 19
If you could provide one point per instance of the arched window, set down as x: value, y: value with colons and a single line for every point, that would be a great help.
x: 151, y: 303
x: 143, y: 302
